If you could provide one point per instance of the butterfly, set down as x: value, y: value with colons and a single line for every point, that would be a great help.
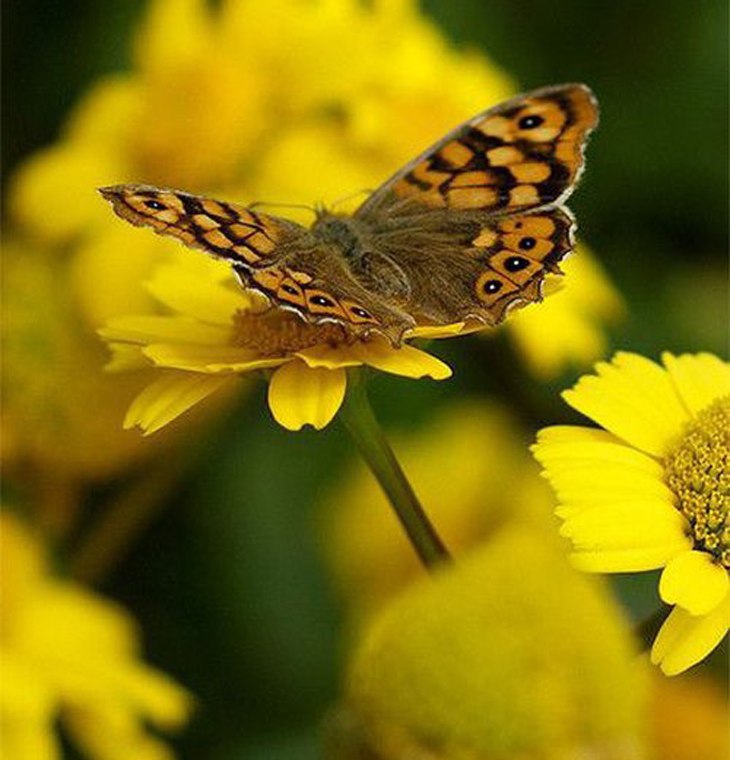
x: 464, y: 232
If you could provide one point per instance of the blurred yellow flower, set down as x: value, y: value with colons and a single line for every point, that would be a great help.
x: 652, y: 489
x: 72, y: 656
x: 471, y: 470
x: 51, y: 378
x: 218, y: 331
x: 506, y: 653
x: 568, y: 328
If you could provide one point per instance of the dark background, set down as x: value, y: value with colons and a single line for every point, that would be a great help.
x: 227, y: 585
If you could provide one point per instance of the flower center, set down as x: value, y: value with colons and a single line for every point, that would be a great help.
x: 275, y: 332
x: 697, y: 472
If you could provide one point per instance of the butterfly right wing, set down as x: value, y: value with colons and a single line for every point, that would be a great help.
x: 274, y: 256
x: 477, y: 220
x: 522, y: 154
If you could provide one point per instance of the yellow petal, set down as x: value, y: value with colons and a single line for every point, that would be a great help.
x: 155, y: 329
x: 170, y: 396
x: 437, y: 331
x: 209, y: 359
x: 566, y: 444
x: 300, y: 395
x: 699, y: 379
x: 204, y: 299
x: 634, y: 560
x: 634, y: 398
x: 125, y: 357
x: 685, y: 639
x: 586, y: 485
x: 694, y: 582
x: 627, y: 525
x: 52, y: 192
x: 406, y: 360
x: 329, y: 357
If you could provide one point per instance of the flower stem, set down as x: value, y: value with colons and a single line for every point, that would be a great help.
x: 357, y: 415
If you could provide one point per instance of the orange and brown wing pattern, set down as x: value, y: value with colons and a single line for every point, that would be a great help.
x: 328, y: 295
x: 273, y: 256
x: 522, y: 154
x: 224, y: 230
x: 517, y: 251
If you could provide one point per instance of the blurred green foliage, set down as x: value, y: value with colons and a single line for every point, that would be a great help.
x: 228, y: 584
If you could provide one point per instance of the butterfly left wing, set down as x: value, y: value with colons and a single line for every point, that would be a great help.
x: 273, y: 256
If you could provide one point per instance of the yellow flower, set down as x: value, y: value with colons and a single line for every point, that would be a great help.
x: 68, y: 654
x: 218, y: 331
x: 507, y: 653
x: 652, y: 490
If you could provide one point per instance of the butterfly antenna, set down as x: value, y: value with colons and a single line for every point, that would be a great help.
x: 349, y: 197
x: 274, y: 204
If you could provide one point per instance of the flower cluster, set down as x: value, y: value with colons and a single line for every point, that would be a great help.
x: 69, y: 655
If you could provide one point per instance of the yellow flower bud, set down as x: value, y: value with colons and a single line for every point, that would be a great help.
x: 509, y: 653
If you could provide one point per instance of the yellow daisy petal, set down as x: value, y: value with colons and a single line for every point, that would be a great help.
x: 626, y: 525
x: 637, y: 559
x: 406, y: 360
x: 329, y: 357
x: 125, y: 357
x: 210, y: 359
x: 634, y: 398
x: 300, y: 395
x: 685, y: 639
x: 699, y: 379
x: 694, y: 582
x: 440, y: 331
x: 567, y: 445
x: 587, y: 486
x: 154, y: 329
x: 170, y: 396
x: 204, y: 299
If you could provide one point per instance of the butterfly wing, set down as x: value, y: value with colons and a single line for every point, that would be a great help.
x: 224, y: 230
x: 274, y: 256
x: 477, y: 220
x: 524, y: 153
x: 477, y: 269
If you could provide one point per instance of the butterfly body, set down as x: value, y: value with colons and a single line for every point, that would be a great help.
x: 461, y: 234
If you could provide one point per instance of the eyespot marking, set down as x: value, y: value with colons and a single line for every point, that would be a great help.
x: 527, y: 243
x: 516, y: 263
x: 530, y: 122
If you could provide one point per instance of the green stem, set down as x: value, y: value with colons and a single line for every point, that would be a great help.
x: 357, y: 415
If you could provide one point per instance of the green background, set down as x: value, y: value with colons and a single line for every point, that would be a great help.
x: 227, y: 584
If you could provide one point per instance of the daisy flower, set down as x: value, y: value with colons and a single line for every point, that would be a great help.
x: 216, y: 332
x: 652, y: 490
